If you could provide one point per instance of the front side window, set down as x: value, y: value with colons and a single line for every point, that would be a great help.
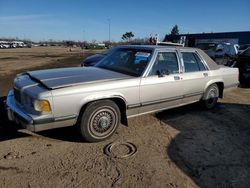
x: 128, y: 61
x: 192, y: 62
x: 166, y: 63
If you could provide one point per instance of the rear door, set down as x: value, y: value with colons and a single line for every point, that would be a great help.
x: 194, y: 77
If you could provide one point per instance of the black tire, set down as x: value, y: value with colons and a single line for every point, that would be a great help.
x: 99, y: 120
x: 3, y: 113
x: 211, y: 96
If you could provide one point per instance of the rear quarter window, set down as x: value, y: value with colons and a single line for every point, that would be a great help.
x: 192, y: 62
x: 200, y: 63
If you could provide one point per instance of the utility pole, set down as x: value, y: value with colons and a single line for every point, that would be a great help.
x: 84, y: 36
x: 109, y: 28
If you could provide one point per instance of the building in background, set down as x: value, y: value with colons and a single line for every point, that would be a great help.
x: 241, y: 38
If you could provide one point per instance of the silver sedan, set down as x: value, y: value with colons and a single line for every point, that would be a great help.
x: 130, y: 81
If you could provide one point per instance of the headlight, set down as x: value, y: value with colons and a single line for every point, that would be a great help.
x: 42, y: 105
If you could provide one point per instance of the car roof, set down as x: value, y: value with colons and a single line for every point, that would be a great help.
x: 153, y: 47
x: 208, y: 43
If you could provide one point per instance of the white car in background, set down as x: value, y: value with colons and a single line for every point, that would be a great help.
x: 4, y: 44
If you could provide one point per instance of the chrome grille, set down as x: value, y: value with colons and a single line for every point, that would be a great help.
x: 17, y: 95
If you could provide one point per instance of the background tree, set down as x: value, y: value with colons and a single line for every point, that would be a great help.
x: 175, y: 30
x: 127, y: 36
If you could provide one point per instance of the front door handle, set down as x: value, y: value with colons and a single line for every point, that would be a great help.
x: 176, y: 78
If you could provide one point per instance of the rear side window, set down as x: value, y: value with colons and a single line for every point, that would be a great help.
x: 192, y: 62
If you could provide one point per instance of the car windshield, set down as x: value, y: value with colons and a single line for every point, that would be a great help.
x: 128, y: 61
x: 106, y: 52
x: 207, y: 46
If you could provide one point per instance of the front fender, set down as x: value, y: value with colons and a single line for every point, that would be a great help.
x: 100, y: 96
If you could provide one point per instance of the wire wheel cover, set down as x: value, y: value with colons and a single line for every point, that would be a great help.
x: 212, y: 95
x: 103, y: 121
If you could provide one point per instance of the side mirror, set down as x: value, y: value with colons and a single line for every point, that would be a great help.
x: 159, y: 73
x: 162, y: 73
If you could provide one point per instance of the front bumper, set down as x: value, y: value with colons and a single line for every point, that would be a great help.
x: 35, y: 123
x: 16, y: 114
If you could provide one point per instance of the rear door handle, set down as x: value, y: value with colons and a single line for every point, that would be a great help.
x: 205, y: 74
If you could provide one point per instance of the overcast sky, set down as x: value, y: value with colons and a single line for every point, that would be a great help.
x: 88, y: 19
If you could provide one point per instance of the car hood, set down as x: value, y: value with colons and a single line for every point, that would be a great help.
x: 65, y: 77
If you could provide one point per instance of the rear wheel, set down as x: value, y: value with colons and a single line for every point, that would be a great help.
x: 99, y: 120
x: 211, y: 96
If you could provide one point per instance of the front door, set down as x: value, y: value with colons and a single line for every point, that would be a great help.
x: 162, y: 87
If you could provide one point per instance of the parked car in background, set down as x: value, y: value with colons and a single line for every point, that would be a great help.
x: 242, y: 61
x: 12, y: 44
x: 221, y: 53
x: 93, y: 59
x: 95, y: 46
x: 4, y: 44
x: 130, y: 81
x: 243, y: 47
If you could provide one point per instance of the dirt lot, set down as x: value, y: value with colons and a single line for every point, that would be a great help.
x: 183, y: 147
x: 14, y: 61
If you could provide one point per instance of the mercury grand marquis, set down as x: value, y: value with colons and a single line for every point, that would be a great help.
x: 130, y: 81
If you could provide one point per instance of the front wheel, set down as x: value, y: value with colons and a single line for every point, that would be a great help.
x: 99, y: 120
x: 211, y: 96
